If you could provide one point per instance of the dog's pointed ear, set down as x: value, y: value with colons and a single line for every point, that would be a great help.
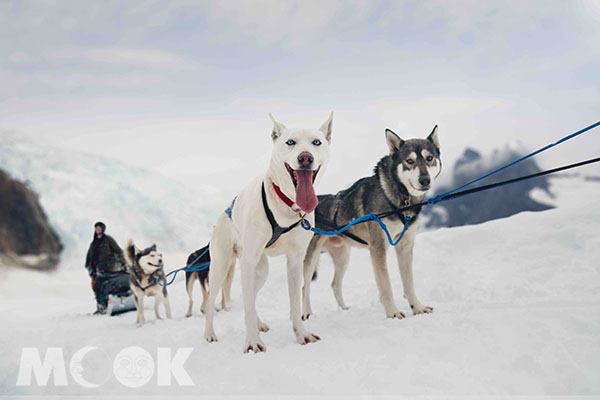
x: 131, y: 251
x: 278, y: 128
x: 393, y: 141
x: 433, y: 137
x: 153, y: 247
x: 326, y: 127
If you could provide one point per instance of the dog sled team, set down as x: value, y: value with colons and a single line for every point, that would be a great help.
x: 264, y: 220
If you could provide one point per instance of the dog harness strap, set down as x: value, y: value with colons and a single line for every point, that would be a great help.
x: 322, y: 220
x: 282, y: 195
x: 399, y: 211
x: 275, y: 228
x: 345, y: 233
x: 149, y: 285
x: 229, y: 209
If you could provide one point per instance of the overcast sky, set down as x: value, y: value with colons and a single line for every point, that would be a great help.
x: 185, y: 87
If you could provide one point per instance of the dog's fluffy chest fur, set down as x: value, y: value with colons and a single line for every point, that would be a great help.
x: 249, y: 211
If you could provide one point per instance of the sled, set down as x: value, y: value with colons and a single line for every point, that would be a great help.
x: 119, y: 304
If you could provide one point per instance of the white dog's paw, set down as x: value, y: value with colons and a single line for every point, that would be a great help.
x: 210, y: 337
x: 307, y: 337
x: 344, y: 307
x: 419, y: 308
x: 202, y: 310
x: 306, y: 316
x: 158, y: 317
x: 263, y: 327
x: 396, y: 314
x: 255, y: 346
x: 188, y: 315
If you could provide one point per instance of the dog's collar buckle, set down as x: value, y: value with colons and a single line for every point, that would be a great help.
x: 406, y: 203
x: 303, y: 221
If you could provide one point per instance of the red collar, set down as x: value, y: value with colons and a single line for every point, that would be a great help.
x: 282, y: 196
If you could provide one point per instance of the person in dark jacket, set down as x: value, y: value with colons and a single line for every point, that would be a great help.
x: 106, y: 266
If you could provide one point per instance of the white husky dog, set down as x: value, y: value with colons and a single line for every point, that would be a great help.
x: 263, y: 221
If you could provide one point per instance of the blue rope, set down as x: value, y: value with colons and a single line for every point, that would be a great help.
x: 440, y: 197
x: 369, y: 217
x: 187, y: 268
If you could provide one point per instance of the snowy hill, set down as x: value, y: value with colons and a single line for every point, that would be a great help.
x: 78, y: 189
x: 516, y: 313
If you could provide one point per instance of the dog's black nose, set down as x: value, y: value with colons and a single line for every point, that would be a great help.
x: 424, y: 180
x: 305, y: 159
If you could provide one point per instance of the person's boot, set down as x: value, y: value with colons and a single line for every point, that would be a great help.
x: 100, y: 308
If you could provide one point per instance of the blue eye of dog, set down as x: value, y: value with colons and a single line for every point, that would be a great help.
x: 317, y: 142
x: 290, y: 142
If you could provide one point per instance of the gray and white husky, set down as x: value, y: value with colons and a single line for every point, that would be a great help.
x: 401, y: 178
x: 145, y: 275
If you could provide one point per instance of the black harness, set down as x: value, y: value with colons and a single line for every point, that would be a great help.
x: 275, y: 228
x: 400, y: 212
x: 152, y: 279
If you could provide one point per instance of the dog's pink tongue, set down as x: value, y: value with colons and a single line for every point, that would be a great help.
x: 306, y: 198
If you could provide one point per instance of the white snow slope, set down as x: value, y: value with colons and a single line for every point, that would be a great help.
x: 77, y: 189
x: 517, y: 312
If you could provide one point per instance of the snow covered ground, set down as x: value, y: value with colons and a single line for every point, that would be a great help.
x: 517, y: 312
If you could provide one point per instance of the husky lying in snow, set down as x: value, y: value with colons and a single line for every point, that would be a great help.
x: 202, y: 277
x: 263, y: 221
x: 146, y: 273
x: 401, y: 178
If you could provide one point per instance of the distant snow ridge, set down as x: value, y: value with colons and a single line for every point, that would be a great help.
x: 493, y: 204
x: 77, y: 189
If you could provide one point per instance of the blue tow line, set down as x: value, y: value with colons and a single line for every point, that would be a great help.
x: 374, y: 217
x: 369, y: 217
x: 187, y: 268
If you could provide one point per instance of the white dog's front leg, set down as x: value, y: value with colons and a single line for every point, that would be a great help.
x: 248, y: 268
x: 404, y: 255
x: 262, y: 272
x: 294, y: 273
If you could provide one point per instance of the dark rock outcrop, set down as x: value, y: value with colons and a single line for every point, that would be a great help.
x: 492, y: 204
x: 26, y: 236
